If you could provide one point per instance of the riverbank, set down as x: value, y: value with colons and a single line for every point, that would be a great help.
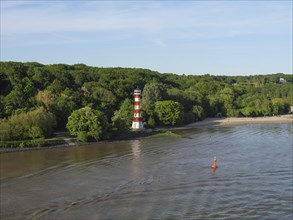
x: 283, y: 119
x: 64, y: 140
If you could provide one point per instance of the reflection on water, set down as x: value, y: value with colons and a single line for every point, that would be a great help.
x: 156, y: 177
x: 136, y: 151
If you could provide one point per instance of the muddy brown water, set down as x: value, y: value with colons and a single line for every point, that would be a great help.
x: 156, y: 177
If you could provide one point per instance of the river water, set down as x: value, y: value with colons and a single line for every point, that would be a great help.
x: 156, y: 177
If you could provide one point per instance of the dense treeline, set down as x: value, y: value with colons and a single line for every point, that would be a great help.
x: 94, y: 103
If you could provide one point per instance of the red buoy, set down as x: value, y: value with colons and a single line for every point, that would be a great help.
x: 214, y: 166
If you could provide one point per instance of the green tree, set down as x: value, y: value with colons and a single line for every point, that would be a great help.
x: 56, y: 87
x: 62, y: 107
x: 41, y: 77
x: 188, y: 97
x: 127, y: 110
x: 198, y: 112
x: 248, y: 111
x: 266, y: 107
x: 215, y: 106
x: 122, y: 119
x: 279, y: 106
x: 43, y: 119
x: 64, y: 88
x: 86, y: 124
x: 119, y: 124
x: 26, y: 126
x: 169, y: 112
x: 227, y: 96
x: 152, y: 92
x: 13, y: 101
x: 100, y: 98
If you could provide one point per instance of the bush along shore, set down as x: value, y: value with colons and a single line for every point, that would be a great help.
x: 95, y: 104
x: 63, y: 139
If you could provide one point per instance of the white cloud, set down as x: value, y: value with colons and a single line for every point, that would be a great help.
x: 198, y: 18
x: 180, y: 36
x: 58, y: 17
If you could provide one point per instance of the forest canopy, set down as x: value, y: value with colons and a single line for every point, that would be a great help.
x: 60, y: 90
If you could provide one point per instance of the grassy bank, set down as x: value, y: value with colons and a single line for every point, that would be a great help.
x: 63, y: 139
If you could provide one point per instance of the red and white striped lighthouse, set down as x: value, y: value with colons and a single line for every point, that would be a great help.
x: 137, y: 122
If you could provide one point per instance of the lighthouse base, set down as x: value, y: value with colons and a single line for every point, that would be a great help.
x: 137, y: 125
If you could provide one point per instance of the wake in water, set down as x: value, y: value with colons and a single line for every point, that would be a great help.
x: 163, y: 177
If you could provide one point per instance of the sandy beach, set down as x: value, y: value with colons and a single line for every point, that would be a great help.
x: 283, y: 119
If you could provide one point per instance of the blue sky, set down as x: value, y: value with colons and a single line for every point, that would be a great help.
x: 182, y: 37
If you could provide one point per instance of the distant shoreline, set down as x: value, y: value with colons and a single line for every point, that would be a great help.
x: 282, y: 119
x: 208, y: 122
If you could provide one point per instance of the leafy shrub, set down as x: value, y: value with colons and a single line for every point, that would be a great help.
x: 26, y: 126
x: 86, y: 123
x: 169, y: 112
x: 23, y: 143
x: 198, y: 112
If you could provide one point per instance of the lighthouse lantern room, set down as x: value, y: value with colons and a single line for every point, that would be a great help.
x: 137, y: 122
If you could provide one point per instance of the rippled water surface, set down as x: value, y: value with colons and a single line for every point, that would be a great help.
x: 156, y: 177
